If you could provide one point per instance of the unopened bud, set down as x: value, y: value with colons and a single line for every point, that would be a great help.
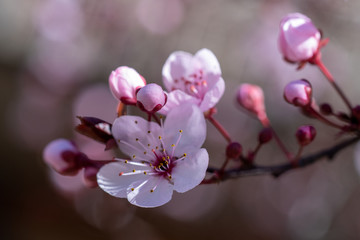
x: 298, y: 93
x: 124, y: 82
x: 298, y: 38
x: 326, y: 109
x: 265, y: 135
x: 61, y: 155
x: 233, y: 150
x: 356, y: 111
x: 305, y: 134
x: 251, y: 97
x: 151, y: 98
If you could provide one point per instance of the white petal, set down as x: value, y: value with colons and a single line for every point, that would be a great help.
x: 209, y: 62
x: 190, y: 119
x: 177, y: 98
x: 110, y: 181
x: 189, y: 173
x: 179, y: 64
x: 213, y: 96
x: 143, y: 196
x: 128, y: 129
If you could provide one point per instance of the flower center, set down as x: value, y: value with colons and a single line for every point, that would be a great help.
x: 194, y: 84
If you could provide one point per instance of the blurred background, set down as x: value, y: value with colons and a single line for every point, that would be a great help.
x: 55, y: 59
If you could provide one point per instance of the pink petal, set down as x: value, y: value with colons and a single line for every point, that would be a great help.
x: 177, y: 98
x: 212, y: 97
x: 116, y: 184
x: 190, y: 119
x: 189, y: 173
x: 209, y: 62
x: 128, y: 129
x: 142, y: 196
x: 179, y: 64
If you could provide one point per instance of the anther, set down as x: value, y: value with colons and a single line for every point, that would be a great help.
x: 173, y: 145
x: 134, y: 170
x: 184, y: 154
x: 121, y: 173
x: 145, y: 173
x: 126, y: 161
x: 136, y: 122
x: 136, y: 139
x: 180, y: 131
x: 145, y: 152
x: 151, y: 190
x: 132, y: 189
x: 149, y: 131
x: 134, y: 156
x: 163, y: 158
x: 160, y: 137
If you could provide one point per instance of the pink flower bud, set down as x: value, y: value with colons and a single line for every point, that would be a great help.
x: 305, y: 134
x: 251, y: 97
x: 298, y: 92
x: 60, y: 154
x: 298, y: 38
x: 151, y: 98
x: 124, y: 82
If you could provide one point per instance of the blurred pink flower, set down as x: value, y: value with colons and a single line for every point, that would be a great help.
x: 59, y: 20
x: 164, y: 158
x: 151, y: 98
x: 298, y: 38
x: 195, y: 79
x: 160, y: 16
x: 124, y: 82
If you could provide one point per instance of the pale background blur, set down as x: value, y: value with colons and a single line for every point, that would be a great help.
x: 55, y: 59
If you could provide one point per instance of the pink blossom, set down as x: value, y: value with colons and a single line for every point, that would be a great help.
x: 298, y: 92
x: 151, y: 98
x: 251, y: 97
x: 298, y: 38
x: 124, y: 82
x: 60, y: 154
x: 195, y: 79
x: 162, y: 158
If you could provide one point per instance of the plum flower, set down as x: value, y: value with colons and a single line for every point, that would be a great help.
x: 196, y: 79
x: 161, y: 158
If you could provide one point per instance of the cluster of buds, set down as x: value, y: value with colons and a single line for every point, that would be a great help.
x: 167, y: 155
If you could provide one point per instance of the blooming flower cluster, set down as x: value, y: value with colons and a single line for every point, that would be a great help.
x: 163, y: 156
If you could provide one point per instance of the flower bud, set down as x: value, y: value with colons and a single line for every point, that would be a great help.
x: 151, y: 98
x: 265, y: 135
x: 298, y: 92
x: 298, y: 38
x: 124, y: 82
x: 251, y: 97
x: 233, y: 150
x: 60, y: 155
x: 305, y: 134
x: 326, y: 109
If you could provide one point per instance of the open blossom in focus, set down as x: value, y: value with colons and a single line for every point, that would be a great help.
x: 195, y: 79
x: 161, y: 158
x: 298, y: 38
x: 60, y: 154
x: 251, y: 98
x: 151, y: 98
x: 298, y: 93
x: 124, y: 82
